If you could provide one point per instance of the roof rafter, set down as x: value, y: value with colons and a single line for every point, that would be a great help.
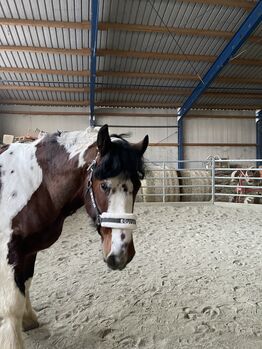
x: 173, y: 56
x: 45, y: 88
x: 104, y: 26
x: 44, y: 23
x: 65, y: 51
x: 44, y: 102
x: 175, y: 92
x: 175, y: 30
x: 232, y: 3
x: 125, y: 74
x: 83, y: 73
x: 125, y: 53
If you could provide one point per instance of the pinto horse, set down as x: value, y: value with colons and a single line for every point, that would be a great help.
x: 42, y: 183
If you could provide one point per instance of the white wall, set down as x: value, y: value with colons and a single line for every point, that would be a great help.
x: 159, y: 124
x: 162, y: 130
x: 20, y: 124
x: 227, y: 127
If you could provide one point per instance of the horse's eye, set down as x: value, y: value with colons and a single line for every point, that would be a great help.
x: 104, y: 186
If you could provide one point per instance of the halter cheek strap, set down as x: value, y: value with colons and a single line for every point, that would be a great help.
x: 108, y: 219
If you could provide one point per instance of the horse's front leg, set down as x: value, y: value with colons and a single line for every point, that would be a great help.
x: 29, y: 318
x: 12, y: 306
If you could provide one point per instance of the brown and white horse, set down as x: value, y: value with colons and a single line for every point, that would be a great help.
x: 243, y: 179
x: 43, y: 182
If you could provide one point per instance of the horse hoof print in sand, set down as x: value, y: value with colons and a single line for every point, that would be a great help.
x: 42, y: 183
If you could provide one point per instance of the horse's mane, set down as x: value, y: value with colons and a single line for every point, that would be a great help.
x: 121, y: 159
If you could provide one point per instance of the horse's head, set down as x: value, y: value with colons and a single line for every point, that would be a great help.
x: 113, y: 180
x: 250, y: 174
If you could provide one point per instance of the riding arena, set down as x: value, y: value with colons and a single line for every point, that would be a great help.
x: 130, y: 174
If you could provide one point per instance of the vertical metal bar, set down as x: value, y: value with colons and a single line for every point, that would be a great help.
x: 180, y: 140
x: 164, y: 182
x: 248, y: 26
x: 94, y: 30
x: 259, y: 137
x: 213, y: 179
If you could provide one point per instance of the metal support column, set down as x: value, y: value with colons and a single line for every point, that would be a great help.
x: 180, y: 134
x: 94, y: 30
x: 248, y: 26
x: 259, y: 136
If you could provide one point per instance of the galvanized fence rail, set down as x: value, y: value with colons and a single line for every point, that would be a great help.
x: 209, y: 180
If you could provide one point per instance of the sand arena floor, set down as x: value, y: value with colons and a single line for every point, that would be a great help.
x: 195, y: 282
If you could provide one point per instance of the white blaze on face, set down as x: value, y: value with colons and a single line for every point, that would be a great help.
x: 120, y: 201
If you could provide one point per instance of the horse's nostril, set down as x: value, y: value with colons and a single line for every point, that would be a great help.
x: 111, y: 261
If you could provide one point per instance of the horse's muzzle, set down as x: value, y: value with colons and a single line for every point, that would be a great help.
x: 116, y: 262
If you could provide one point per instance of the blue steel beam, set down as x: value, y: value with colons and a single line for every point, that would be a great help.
x: 259, y: 136
x: 248, y: 26
x: 180, y: 140
x: 94, y: 30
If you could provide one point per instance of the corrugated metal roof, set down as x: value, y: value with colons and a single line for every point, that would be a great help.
x: 149, y: 45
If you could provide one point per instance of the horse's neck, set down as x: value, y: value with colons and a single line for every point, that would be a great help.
x: 63, y: 169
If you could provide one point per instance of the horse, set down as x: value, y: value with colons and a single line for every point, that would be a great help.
x: 243, y: 179
x: 45, y: 181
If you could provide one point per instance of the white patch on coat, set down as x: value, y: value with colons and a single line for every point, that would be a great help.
x: 29, y: 316
x: 76, y: 142
x: 21, y: 176
x: 12, y: 306
x: 120, y: 201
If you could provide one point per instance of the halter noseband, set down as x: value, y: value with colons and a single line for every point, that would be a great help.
x: 108, y: 219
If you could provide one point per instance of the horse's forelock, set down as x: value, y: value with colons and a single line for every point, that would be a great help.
x: 121, y: 159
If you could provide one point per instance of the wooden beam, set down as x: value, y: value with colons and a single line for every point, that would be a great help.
x: 64, y: 51
x: 228, y: 117
x: 203, y: 144
x: 147, y: 91
x: 134, y: 104
x: 173, y: 56
x: 141, y: 28
x: 132, y: 75
x: 163, y: 144
x: 124, y: 53
x: 124, y: 114
x: 246, y: 5
x: 45, y: 88
x: 43, y: 102
x: 174, y: 92
x: 40, y: 112
x: 151, y: 115
x: 82, y: 73
x: 220, y: 144
x: 154, y: 55
x: 228, y: 106
x: 105, y: 26
x: 43, y: 23
x: 173, y: 115
x: 173, y: 76
x: 130, y: 91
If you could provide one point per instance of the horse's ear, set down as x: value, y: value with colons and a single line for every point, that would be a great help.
x: 103, y: 140
x: 141, y: 146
